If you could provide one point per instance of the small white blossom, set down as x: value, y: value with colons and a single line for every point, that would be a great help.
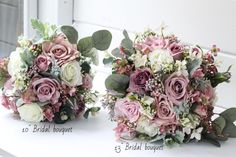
x: 181, y: 67
x: 140, y: 60
x: 196, y: 134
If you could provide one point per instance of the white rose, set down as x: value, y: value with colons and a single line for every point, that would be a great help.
x: 71, y: 74
x: 140, y: 60
x: 31, y: 112
x: 145, y: 126
x: 159, y: 59
x: 15, y: 65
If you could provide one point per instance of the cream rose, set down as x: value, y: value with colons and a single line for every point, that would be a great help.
x: 31, y: 112
x: 15, y: 65
x: 71, y: 74
x: 144, y: 125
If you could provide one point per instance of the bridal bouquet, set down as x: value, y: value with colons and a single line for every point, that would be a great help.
x: 49, y: 77
x: 163, y: 90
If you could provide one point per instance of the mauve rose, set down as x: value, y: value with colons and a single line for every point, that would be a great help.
x: 48, y: 113
x: 209, y: 92
x: 176, y: 51
x: 138, y: 80
x: 165, y: 115
x: 123, y: 131
x: 87, y: 81
x: 42, y: 63
x: 176, y: 88
x: 46, y: 89
x: 9, y: 103
x: 127, y: 109
x: 151, y: 44
x: 60, y: 49
x: 198, y: 73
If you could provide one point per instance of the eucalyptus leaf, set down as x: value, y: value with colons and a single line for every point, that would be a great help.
x: 229, y: 114
x: 85, y: 67
x: 230, y: 129
x: 211, y: 139
x: 102, y: 39
x: 108, y: 60
x: 219, y: 124
x: 127, y: 44
x: 116, y: 53
x: 71, y: 33
x: 117, y: 82
x: 85, y: 45
x: 193, y: 65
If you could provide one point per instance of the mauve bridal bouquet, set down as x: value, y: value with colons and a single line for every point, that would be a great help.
x: 49, y: 77
x: 163, y: 90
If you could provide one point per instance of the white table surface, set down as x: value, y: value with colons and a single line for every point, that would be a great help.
x: 93, y: 137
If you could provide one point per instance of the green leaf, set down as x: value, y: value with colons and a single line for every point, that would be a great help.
x: 71, y: 33
x: 38, y: 26
x: 211, y: 139
x: 116, y: 53
x: 85, y: 45
x: 86, y: 113
x: 85, y: 67
x: 102, y: 39
x: 229, y: 114
x: 219, y: 124
x: 193, y: 65
x: 93, y: 110
x: 117, y: 82
x: 230, y: 129
x: 127, y: 44
x: 108, y: 60
x: 27, y: 57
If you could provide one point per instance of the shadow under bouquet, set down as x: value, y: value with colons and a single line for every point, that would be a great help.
x: 163, y: 90
x: 49, y: 77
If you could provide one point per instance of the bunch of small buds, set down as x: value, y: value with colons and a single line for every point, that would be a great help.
x: 107, y: 100
x: 36, y: 49
x: 154, y: 85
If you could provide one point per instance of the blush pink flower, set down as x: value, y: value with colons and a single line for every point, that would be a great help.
x: 60, y: 49
x: 48, y: 114
x: 198, y: 73
x: 42, y: 63
x: 151, y: 44
x: 127, y: 109
x: 123, y: 131
x: 87, y: 81
x: 9, y: 103
x: 176, y: 51
x: 46, y: 89
x: 138, y: 80
x: 176, y: 88
x: 165, y: 115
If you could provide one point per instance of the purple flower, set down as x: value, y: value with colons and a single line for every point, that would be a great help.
x: 42, y: 63
x: 176, y: 51
x: 127, y: 109
x: 87, y: 81
x: 176, y: 88
x: 46, y: 89
x: 138, y: 80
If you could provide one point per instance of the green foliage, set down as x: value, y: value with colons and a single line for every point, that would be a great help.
x: 117, y: 82
x: 27, y: 57
x: 193, y: 65
x: 85, y: 45
x: 71, y: 33
x: 116, y: 52
x: 102, y: 39
x: 91, y: 110
x: 221, y: 77
x: 127, y: 44
x: 85, y: 67
x: 44, y: 31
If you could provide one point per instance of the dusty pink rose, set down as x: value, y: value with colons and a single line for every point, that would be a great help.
x: 123, y: 131
x: 176, y: 51
x: 151, y: 44
x: 60, y: 49
x: 127, y: 109
x: 138, y: 80
x: 42, y: 63
x: 46, y: 89
x: 201, y: 110
x: 9, y: 103
x: 176, y: 88
x: 165, y: 115
x: 87, y: 81
x: 48, y: 113
x: 209, y: 92
x: 198, y: 73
